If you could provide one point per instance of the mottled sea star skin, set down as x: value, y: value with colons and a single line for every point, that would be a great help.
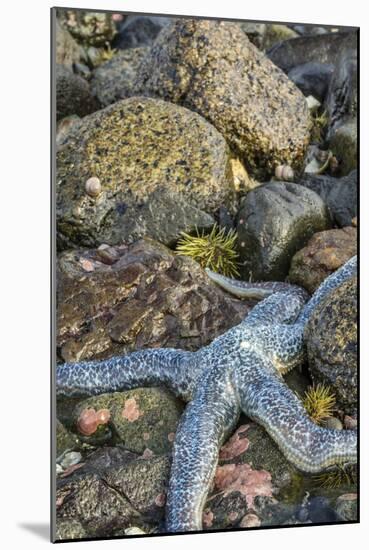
x: 240, y: 370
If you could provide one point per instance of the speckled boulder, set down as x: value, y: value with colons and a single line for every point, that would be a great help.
x: 115, y: 300
x: 276, y: 220
x: 339, y: 194
x: 331, y: 337
x: 73, y: 95
x: 324, y: 253
x: 142, y: 420
x: 87, y: 27
x: 105, y: 500
x: 162, y: 168
x: 113, y: 79
x: 70, y: 529
x: 211, y: 67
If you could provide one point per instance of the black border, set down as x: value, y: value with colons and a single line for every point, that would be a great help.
x: 53, y: 251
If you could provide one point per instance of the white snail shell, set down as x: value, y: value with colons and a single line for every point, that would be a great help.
x: 284, y: 172
x: 93, y: 186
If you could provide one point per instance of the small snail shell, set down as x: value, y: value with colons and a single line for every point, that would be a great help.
x: 284, y: 172
x: 93, y: 187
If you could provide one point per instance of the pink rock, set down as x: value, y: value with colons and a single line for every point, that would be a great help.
x: 236, y: 445
x: 147, y: 453
x: 131, y: 411
x: 87, y: 422
x: 160, y: 500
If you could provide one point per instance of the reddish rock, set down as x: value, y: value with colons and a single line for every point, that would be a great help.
x: 324, y: 253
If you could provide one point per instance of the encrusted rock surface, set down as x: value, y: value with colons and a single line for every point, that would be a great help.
x: 211, y: 67
x: 163, y: 169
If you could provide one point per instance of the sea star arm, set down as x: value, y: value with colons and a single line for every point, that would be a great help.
x: 173, y: 368
x: 281, y: 307
x: 207, y: 421
x: 248, y: 290
x: 349, y: 269
x: 265, y: 398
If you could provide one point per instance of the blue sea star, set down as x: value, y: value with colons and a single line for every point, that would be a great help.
x: 240, y: 370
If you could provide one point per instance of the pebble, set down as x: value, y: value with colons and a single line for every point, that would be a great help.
x: 70, y: 459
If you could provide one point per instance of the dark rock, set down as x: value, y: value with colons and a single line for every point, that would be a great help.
x: 343, y: 144
x: 73, y: 95
x: 274, y: 222
x: 341, y: 100
x: 212, y: 68
x: 144, y: 419
x: 324, y: 253
x: 312, y: 78
x: 147, y: 298
x: 88, y: 28
x: 107, y: 500
x: 113, y: 79
x: 163, y: 169
x: 139, y: 30
x: 340, y: 195
x: 331, y: 337
x: 323, y: 48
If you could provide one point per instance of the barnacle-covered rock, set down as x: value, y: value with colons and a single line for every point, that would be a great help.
x: 331, y: 337
x: 163, y: 169
x: 68, y: 52
x: 212, y: 68
x: 88, y: 28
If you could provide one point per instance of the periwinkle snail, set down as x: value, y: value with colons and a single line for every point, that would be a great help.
x: 283, y: 172
x: 93, y: 186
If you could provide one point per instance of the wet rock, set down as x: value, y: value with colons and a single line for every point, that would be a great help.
x: 331, y: 337
x: 144, y: 418
x: 323, y: 48
x: 87, y: 28
x: 106, y: 500
x: 324, y: 253
x: 73, y: 95
x: 70, y: 529
x: 212, y: 68
x: 274, y: 221
x: 312, y: 78
x: 113, y: 79
x: 68, y: 52
x: 65, y: 440
x: 343, y: 143
x: 162, y: 168
x: 339, y: 194
x: 346, y: 507
x: 139, y: 30
x: 147, y: 298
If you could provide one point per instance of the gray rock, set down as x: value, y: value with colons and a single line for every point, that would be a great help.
x: 139, y: 30
x: 113, y: 79
x: 312, y: 78
x: 68, y: 52
x: 273, y: 223
x: 331, y: 340
x: 212, y: 68
x: 73, y: 95
x: 70, y: 529
x: 346, y: 507
x: 65, y: 440
x: 163, y: 169
x: 323, y: 48
x: 339, y: 194
x: 343, y: 144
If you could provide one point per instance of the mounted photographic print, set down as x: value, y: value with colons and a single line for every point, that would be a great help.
x: 205, y: 182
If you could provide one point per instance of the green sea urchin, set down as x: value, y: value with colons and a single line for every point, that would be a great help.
x: 215, y: 250
x: 319, y: 401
